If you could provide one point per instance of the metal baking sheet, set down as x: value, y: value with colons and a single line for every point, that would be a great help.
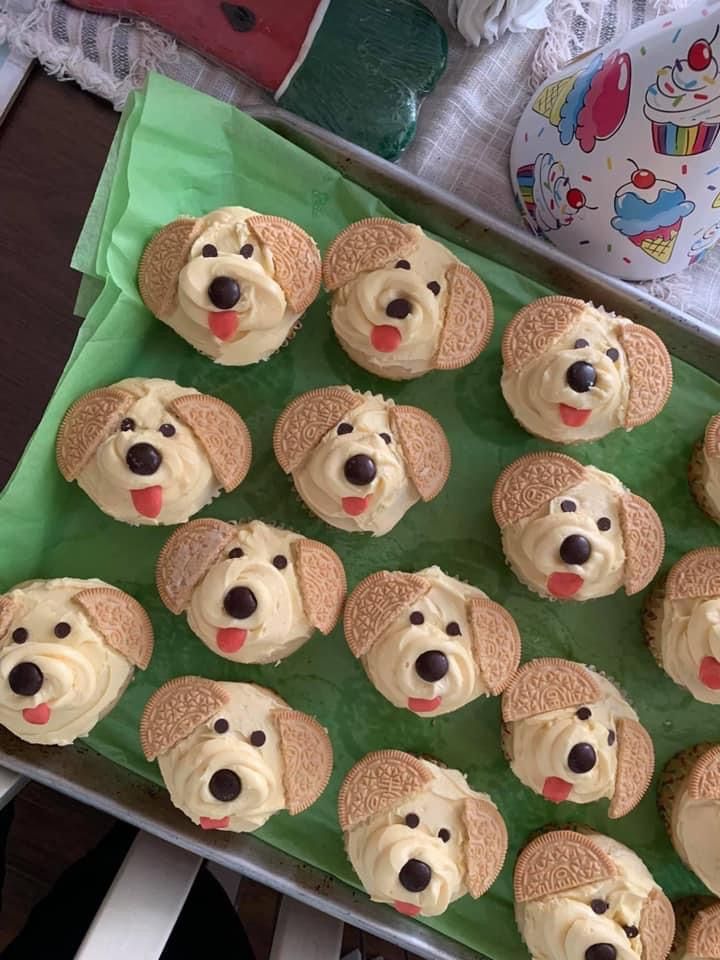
x: 79, y: 772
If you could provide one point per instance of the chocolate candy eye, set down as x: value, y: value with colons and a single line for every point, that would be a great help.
x: 611, y: 737
x: 344, y: 428
x: 279, y: 562
x: 631, y: 931
x: 62, y: 629
x: 582, y: 758
x: 412, y: 820
x: 613, y: 354
x: 599, y: 906
x: 221, y: 725
x: 416, y: 618
x: 209, y: 250
x: 257, y: 738
x: 167, y: 429
x: 584, y: 713
x: 453, y: 629
x: 127, y: 424
x: 403, y: 265
x: 434, y: 287
x: 568, y: 506
x: 236, y: 552
x: 444, y: 835
x: 246, y: 250
x: 604, y: 523
x: 386, y: 437
x: 20, y: 635
x: 579, y: 344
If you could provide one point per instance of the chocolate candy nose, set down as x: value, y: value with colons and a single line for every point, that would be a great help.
x: 575, y: 549
x: 25, y: 679
x: 415, y: 876
x: 225, y: 785
x: 224, y: 292
x: 240, y: 603
x: 601, y: 951
x: 360, y: 470
x: 581, y: 376
x: 398, y: 309
x: 432, y: 665
x: 582, y: 758
x: 143, y: 459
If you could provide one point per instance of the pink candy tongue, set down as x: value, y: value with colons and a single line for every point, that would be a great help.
x: 230, y: 639
x: 38, y: 715
x: 207, y: 823
x: 385, y: 338
x: 223, y: 325
x: 418, y: 705
x: 409, y: 909
x: 148, y: 501
x: 710, y: 673
x: 564, y: 585
x: 556, y: 789
x: 354, y: 506
x: 572, y: 417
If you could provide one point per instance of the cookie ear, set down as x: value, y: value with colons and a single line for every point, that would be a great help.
x: 495, y: 642
x: 222, y: 434
x: 296, y: 259
x: 120, y: 620
x: 695, y: 575
x: 704, y: 934
x: 163, y: 259
x: 379, y: 782
x: 186, y: 557
x: 177, y: 709
x: 711, y: 444
x: 367, y: 245
x: 307, y: 758
x: 88, y: 422
x: 559, y: 861
x: 704, y: 781
x: 9, y: 606
x: 536, y: 327
x: 657, y: 926
x: 487, y: 843
x: 468, y: 320
x: 322, y: 582
x: 643, y: 539
x: 375, y: 602
x: 530, y: 482
x: 306, y: 420
x: 651, y: 375
x: 547, y: 684
x: 635, y: 767
x: 425, y: 447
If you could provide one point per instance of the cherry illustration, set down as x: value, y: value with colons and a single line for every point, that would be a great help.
x: 576, y: 198
x: 700, y: 53
x: 643, y: 179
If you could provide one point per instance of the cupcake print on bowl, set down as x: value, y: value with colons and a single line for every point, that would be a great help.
x: 551, y: 201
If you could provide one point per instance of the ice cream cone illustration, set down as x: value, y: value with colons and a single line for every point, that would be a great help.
x: 549, y: 200
x: 650, y: 212
x: 589, y: 105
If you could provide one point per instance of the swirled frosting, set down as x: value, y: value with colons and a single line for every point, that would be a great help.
x: 185, y: 477
x: 321, y: 482
x: 188, y: 767
x: 539, y: 747
x: 689, y: 640
x: 279, y: 625
x: 260, y: 322
x: 82, y: 676
x: 695, y: 826
x: 379, y: 848
x: 532, y: 545
x: 563, y: 926
x: 360, y: 313
x: 684, y: 96
x: 541, y: 398
x: 391, y: 662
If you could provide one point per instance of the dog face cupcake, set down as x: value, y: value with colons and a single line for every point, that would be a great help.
x: 233, y: 754
x: 569, y: 734
x: 586, y: 895
x: 704, y: 473
x: 402, y: 303
x: 430, y: 643
x: 573, y: 372
x: 689, y: 799
x: 232, y: 283
x: 575, y: 532
x: 147, y: 451
x: 682, y: 623
x: 358, y: 461
x: 251, y: 592
x: 417, y: 835
x: 68, y: 649
x: 697, y: 929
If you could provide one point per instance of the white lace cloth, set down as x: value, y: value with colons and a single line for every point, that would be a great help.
x: 465, y: 127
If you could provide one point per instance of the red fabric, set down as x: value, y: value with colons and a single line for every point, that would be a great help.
x: 264, y: 54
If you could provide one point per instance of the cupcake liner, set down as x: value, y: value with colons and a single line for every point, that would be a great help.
x: 672, y: 780
x: 685, y: 912
x: 697, y: 487
x: 652, y: 620
x: 671, y: 140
